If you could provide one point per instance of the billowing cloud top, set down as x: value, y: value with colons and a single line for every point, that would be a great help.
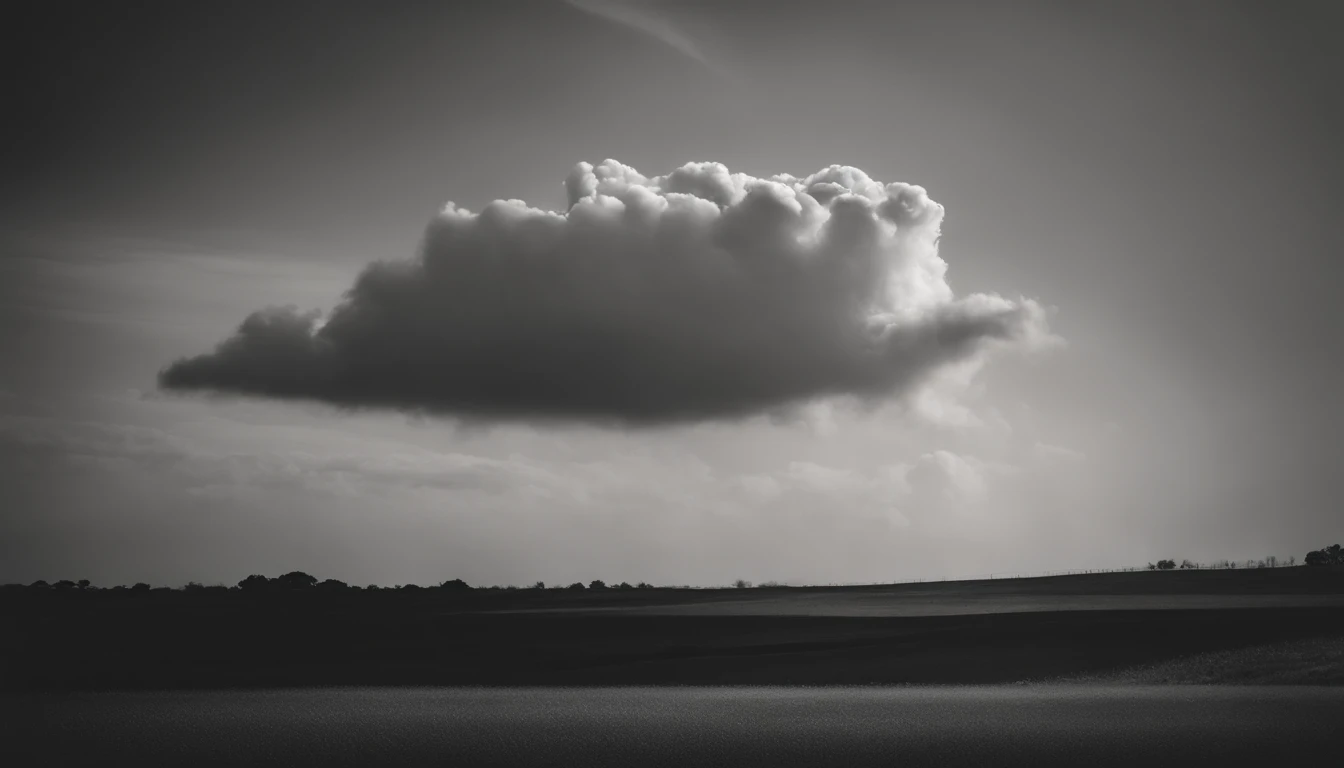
x: 701, y: 294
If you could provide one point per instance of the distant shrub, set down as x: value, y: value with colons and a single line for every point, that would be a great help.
x: 333, y: 585
x: 742, y: 584
x: 623, y: 585
x: 769, y: 585
x: 457, y: 585
x: 82, y: 583
x: 1186, y: 565
x: 643, y: 585
x: 1166, y: 565
x: 140, y: 586
x: 539, y: 585
x: 576, y: 585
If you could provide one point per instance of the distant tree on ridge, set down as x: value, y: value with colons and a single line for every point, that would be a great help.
x: 295, y: 580
x: 1331, y: 555
x: 254, y: 582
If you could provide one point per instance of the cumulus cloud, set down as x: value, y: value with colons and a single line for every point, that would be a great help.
x: 697, y: 295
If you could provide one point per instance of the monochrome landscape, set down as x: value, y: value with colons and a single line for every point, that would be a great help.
x: 646, y: 382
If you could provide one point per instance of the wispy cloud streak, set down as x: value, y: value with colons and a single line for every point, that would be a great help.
x: 643, y: 17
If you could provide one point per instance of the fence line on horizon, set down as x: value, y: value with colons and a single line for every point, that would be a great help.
x: 1227, y: 565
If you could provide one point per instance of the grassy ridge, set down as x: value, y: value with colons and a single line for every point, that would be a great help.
x: 1308, y: 661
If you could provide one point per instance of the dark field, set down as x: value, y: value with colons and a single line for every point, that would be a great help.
x: 934, y: 633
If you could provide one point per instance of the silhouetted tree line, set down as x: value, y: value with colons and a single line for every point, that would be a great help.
x: 1268, y: 562
x: 298, y: 580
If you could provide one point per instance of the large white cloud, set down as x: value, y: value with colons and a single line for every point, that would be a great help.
x: 701, y: 294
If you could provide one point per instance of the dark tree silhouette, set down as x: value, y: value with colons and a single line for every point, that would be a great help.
x: 65, y: 584
x: 1331, y: 555
x: 333, y: 585
x: 1166, y: 565
x: 576, y: 585
x: 253, y: 583
x: 82, y: 583
x: 455, y: 585
x: 597, y: 584
x: 295, y: 580
x: 40, y: 584
x: 140, y: 586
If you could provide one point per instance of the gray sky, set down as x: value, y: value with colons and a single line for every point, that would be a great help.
x: 1163, y: 176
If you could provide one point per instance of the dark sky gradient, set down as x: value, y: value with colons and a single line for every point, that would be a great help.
x: 1165, y: 174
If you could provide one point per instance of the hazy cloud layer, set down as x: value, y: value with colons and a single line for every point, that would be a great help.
x: 701, y: 294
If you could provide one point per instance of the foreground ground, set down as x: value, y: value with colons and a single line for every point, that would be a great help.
x: 771, y: 726
x: 1266, y: 626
